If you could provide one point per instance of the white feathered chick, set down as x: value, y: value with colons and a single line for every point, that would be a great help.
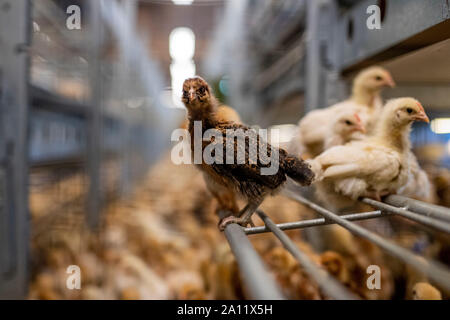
x: 345, y: 128
x: 365, y: 99
x: 418, y: 185
x: 373, y: 167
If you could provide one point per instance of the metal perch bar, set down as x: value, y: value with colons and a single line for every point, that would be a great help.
x: 419, y: 207
x: 427, y: 221
x: 328, y: 284
x: 434, y: 270
x: 316, y: 222
x: 259, y: 281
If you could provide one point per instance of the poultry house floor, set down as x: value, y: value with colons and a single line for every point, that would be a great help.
x: 163, y: 243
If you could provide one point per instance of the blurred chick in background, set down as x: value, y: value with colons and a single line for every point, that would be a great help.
x: 244, y: 179
x: 425, y: 291
x: 344, y: 129
x: 366, y: 100
x: 373, y: 167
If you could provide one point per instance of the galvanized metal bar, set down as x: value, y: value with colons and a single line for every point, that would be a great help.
x: 403, y: 20
x: 316, y: 222
x: 313, y: 61
x: 435, y: 271
x: 260, y: 283
x: 15, y: 31
x: 426, y: 221
x: 423, y: 208
x: 327, y: 283
x: 94, y: 149
x: 44, y: 99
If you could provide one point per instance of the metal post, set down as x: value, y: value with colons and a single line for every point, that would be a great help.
x: 313, y: 67
x: 94, y: 144
x: 14, y: 104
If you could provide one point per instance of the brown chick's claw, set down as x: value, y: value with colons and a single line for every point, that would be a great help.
x: 244, y: 218
x: 246, y: 173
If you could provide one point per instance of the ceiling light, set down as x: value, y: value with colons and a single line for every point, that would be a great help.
x: 440, y: 125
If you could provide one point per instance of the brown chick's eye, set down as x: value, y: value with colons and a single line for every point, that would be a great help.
x: 378, y: 78
x: 409, y: 110
x: 348, y: 122
x: 185, y: 94
x: 201, y: 90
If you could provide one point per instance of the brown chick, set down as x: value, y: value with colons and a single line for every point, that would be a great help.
x: 224, y: 196
x: 425, y: 291
x: 295, y: 283
x: 335, y: 264
x: 44, y: 288
x: 246, y: 175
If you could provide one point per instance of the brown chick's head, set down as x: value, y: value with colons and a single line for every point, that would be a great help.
x: 425, y: 291
x: 404, y: 111
x: 196, y: 93
x: 347, y: 124
x: 374, y: 78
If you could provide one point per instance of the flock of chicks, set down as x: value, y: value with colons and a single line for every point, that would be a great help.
x: 163, y: 242
x: 359, y: 149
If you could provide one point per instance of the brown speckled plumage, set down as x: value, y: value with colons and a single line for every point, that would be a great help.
x: 244, y: 178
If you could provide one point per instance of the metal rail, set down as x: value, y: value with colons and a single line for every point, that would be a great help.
x: 255, y: 274
x: 419, y: 207
x: 426, y: 221
x: 435, y: 271
x: 14, y: 115
x: 327, y: 283
x: 316, y: 222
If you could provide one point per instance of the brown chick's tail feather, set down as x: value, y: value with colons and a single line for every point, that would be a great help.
x: 299, y: 170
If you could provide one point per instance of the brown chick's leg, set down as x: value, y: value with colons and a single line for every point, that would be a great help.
x: 224, y: 215
x: 227, y: 201
x: 245, y: 216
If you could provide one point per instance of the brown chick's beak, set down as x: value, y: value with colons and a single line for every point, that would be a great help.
x: 191, y: 96
x: 422, y: 116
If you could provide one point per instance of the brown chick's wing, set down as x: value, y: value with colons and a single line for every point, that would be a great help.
x: 248, y: 176
x: 244, y: 175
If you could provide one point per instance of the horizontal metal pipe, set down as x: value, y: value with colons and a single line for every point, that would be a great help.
x: 258, y: 280
x: 427, y: 221
x: 327, y: 283
x: 420, y: 207
x: 316, y: 222
x: 435, y: 271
